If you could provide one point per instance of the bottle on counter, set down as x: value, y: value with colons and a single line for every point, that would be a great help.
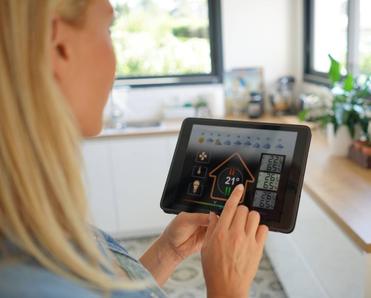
x: 255, y: 108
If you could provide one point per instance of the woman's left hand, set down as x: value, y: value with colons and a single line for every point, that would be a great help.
x: 185, y: 234
x: 183, y: 237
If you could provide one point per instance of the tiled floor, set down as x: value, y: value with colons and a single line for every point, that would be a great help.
x: 188, y: 282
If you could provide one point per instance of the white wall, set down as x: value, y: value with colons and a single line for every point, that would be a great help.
x: 255, y: 33
x: 259, y: 33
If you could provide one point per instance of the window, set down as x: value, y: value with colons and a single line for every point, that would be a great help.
x: 340, y: 28
x: 365, y: 37
x: 329, y: 39
x: 167, y: 42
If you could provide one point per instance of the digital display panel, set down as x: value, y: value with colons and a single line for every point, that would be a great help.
x: 265, y: 199
x: 218, y: 158
x: 268, y: 181
x: 272, y: 163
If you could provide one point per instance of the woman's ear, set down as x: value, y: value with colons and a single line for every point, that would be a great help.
x: 61, y: 48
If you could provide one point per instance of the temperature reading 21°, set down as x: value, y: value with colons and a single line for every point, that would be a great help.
x: 232, y: 180
x: 227, y: 179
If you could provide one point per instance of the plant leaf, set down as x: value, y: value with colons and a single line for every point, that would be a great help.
x: 364, y: 125
x: 334, y: 73
x: 348, y: 83
x: 303, y: 115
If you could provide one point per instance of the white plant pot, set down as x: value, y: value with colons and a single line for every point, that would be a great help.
x: 340, y: 141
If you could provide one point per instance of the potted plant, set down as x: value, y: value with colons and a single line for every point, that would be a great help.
x: 366, y: 148
x: 360, y: 152
x: 346, y: 117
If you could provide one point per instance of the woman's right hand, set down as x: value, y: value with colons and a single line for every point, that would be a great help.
x: 232, y: 249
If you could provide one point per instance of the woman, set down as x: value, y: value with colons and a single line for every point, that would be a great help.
x: 56, y: 70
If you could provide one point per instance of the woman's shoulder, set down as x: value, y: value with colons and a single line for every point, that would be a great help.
x: 20, y: 279
x: 24, y: 279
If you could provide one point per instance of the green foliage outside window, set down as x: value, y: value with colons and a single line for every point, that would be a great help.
x: 161, y: 38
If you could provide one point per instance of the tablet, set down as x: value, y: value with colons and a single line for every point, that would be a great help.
x: 214, y: 156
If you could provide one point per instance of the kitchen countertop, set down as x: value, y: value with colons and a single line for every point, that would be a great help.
x: 166, y: 127
x: 342, y: 189
x: 339, y: 186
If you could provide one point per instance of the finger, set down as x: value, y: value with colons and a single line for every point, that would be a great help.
x: 230, y: 207
x: 240, y: 217
x: 213, y: 220
x: 262, y: 234
x: 201, y: 235
x: 198, y: 219
x: 252, y: 223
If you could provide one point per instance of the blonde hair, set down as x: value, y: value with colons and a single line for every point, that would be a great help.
x: 43, y: 207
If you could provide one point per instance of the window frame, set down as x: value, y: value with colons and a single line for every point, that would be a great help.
x: 353, y: 35
x: 216, y: 46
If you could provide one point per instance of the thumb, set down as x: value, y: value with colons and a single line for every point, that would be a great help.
x: 199, y: 219
x: 213, y: 219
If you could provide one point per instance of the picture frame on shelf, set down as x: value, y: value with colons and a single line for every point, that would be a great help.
x: 241, y: 84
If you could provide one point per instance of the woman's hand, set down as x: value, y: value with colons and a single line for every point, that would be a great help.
x: 232, y: 249
x: 182, y: 237
x: 186, y: 233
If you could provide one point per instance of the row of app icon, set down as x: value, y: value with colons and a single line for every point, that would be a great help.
x: 199, y: 172
x: 195, y: 188
x: 249, y: 143
x: 203, y: 157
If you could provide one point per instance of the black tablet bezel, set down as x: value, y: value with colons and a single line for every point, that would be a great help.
x: 294, y: 182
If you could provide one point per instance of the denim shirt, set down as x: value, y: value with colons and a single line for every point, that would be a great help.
x: 25, y: 278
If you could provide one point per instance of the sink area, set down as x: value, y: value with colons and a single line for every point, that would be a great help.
x: 138, y: 128
x: 142, y: 127
x: 143, y: 124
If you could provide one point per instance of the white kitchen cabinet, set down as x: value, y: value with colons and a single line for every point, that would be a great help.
x: 139, y: 171
x: 125, y: 177
x: 99, y: 184
x: 318, y: 259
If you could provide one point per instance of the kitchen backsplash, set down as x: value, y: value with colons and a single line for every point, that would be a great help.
x: 149, y: 103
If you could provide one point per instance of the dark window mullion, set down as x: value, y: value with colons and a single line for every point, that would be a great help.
x: 310, y: 74
x: 216, y: 42
x: 308, y: 36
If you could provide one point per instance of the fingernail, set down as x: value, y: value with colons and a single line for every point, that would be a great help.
x: 240, y: 187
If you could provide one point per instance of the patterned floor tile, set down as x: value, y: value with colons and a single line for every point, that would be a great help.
x: 188, y: 282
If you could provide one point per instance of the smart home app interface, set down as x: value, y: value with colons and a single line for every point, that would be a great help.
x: 219, y: 158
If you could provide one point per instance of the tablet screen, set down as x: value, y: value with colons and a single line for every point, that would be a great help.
x: 219, y: 158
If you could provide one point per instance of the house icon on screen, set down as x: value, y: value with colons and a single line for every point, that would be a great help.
x: 227, y: 175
